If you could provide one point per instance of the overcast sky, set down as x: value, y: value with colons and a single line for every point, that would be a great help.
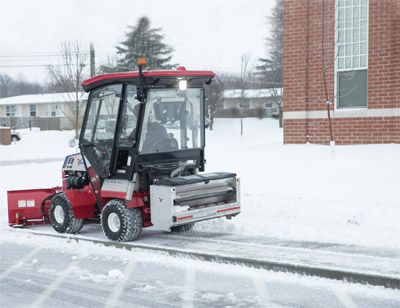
x: 206, y: 34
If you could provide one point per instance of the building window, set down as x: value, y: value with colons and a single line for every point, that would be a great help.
x: 51, y: 110
x: 11, y: 110
x: 351, y: 53
x: 32, y: 110
x: 244, y: 104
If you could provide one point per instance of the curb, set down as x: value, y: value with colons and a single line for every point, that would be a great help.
x: 330, y: 273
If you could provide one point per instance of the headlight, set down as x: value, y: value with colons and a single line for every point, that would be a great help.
x: 182, y: 85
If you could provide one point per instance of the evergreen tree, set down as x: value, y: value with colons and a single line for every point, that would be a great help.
x: 270, y: 68
x: 144, y: 41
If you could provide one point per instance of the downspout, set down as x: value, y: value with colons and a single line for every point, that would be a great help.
x: 328, y: 103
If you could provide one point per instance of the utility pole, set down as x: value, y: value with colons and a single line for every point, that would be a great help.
x: 243, y: 68
x: 92, y: 61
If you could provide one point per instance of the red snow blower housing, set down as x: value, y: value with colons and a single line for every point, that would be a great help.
x: 141, y: 161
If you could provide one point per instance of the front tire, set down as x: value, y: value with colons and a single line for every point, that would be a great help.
x: 119, y: 223
x: 62, y: 216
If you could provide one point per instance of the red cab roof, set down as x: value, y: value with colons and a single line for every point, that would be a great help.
x: 179, y: 72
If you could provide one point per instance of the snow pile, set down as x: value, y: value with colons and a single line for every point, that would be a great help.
x: 341, y: 194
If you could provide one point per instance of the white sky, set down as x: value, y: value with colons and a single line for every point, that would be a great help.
x: 206, y: 34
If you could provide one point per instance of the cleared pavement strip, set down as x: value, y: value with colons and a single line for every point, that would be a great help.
x: 324, y: 272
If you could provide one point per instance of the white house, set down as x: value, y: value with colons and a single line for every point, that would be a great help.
x: 49, y: 111
x: 251, y: 102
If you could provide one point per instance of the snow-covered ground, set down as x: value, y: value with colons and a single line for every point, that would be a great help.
x: 36, y: 144
x: 53, y: 273
x: 341, y: 194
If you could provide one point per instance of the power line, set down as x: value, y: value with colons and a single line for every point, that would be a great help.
x: 35, y: 56
x: 33, y: 65
x: 41, y: 55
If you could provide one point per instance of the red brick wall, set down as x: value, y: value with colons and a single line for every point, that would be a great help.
x: 345, y: 130
x: 384, y: 54
x: 303, y: 74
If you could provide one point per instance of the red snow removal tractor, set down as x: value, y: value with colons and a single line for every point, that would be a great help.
x: 140, y: 163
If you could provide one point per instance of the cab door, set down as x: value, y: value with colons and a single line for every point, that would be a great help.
x: 127, y: 134
x: 99, y: 128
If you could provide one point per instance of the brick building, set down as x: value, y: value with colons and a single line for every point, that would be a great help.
x: 361, y: 40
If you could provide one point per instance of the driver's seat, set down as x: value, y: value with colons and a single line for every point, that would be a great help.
x: 158, y: 140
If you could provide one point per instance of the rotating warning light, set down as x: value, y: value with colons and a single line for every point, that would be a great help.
x: 142, y: 61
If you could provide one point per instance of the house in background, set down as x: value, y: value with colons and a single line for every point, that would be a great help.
x: 47, y: 111
x: 362, y: 64
x: 250, y: 103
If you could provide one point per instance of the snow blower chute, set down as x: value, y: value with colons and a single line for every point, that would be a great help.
x: 141, y: 161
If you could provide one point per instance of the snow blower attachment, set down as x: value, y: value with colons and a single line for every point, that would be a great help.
x: 141, y: 162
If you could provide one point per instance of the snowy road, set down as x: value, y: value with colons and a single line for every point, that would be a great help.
x: 38, y: 272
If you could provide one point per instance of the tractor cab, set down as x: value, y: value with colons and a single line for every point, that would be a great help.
x: 145, y: 121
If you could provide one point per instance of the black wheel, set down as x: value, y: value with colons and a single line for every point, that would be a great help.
x: 119, y: 223
x: 182, y: 228
x: 62, y: 216
x: 14, y: 138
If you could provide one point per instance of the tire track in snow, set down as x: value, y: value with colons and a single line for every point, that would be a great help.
x: 112, y: 300
x: 190, y: 277
x: 20, y: 263
x: 53, y: 286
x: 263, y: 295
x: 344, y: 298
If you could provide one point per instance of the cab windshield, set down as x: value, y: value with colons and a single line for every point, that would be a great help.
x: 172, y: 120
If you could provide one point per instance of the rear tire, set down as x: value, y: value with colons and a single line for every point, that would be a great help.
x: 182, y: 228
x: 119, y: 223
x: 62, y: 216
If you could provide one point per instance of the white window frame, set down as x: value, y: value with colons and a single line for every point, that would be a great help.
x: 30, y: 110
x: 50, y: 108
x: 13, y: 111
x: 336, y: 69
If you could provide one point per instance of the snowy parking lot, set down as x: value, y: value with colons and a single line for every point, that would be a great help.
x: 54, y: 273
x: 341, y: 195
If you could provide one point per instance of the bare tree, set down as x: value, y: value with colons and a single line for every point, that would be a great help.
x: 67, y: 77
x: 215, y: 95
x: 247, y: 76
x: 276, y: 95
x: 4, y: 84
